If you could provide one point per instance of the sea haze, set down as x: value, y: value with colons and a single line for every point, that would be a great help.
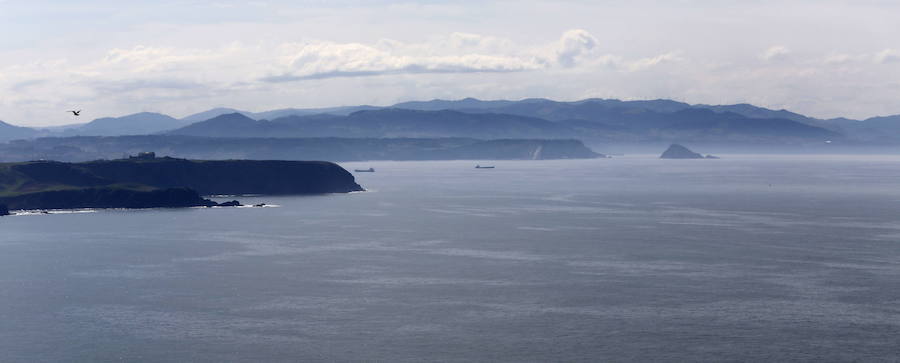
x: 746, y: 258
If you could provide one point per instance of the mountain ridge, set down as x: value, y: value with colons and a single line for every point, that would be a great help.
x: 140, y: 123
x: 11, y: 132
x: 616, y: 123
x: 388, y: 123
x: 597, y: 118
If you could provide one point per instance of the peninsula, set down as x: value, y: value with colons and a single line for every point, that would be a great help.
x: 150, y: 182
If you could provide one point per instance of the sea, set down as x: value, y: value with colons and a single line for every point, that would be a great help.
x: 634, y: 258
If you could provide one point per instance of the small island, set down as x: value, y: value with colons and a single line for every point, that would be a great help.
x: 676, y: 151
x: 150, y: 182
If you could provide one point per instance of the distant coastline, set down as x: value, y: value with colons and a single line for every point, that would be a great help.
x: 86, y: 148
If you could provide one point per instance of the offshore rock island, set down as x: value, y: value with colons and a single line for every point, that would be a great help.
x: 150, y: 182
x: 676, y: 151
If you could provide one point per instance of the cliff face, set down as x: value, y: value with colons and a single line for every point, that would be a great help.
x: 229, y: 176
x: 163, y: 182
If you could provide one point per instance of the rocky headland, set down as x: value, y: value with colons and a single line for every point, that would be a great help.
x: 152, y: 182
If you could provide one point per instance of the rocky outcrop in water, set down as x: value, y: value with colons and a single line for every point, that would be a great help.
x: 4, y: 210
x: 676, y: 151
x: 232, y: 203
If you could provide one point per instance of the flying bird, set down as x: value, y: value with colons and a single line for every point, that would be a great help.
x: 76, y: 113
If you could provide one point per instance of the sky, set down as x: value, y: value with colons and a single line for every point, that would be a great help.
x: 823, y: 58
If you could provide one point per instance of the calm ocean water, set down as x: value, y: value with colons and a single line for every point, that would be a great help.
x: 747, y: 258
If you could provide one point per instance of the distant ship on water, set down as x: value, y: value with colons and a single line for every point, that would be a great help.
x: 369, y: 170
x: 483, y: 167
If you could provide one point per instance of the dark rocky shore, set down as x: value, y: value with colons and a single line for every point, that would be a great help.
x: 109, y: 198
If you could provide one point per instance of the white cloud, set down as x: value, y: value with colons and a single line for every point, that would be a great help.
x: 469, y: 42
x: 843, y: 58
x: 888, y: 56
x: 573, y: 45
x: 775, y: 53
x: 458, y: 53
x: 318, y: 60
x: 645, y: 63
x: 884, y: 56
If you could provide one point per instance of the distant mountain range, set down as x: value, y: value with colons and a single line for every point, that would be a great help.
x: 876, y: 130
x: 592, y: 120
x: 143, y: 123
x: 10, y: 132
x: 588, y: 121
x: 382, y: 123
x: 273, y: 114
x: 594, y: 109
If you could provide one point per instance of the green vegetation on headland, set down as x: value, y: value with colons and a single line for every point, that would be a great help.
x: 161, y: 182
